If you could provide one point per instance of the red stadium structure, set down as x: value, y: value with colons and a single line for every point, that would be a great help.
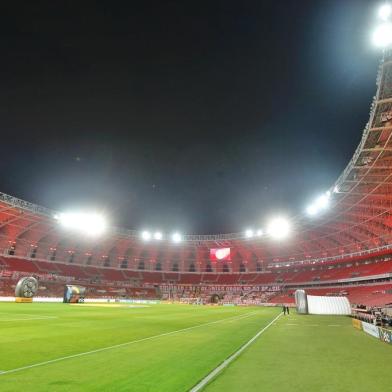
x: 346, y: 250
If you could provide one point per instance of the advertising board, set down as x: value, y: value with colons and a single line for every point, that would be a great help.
x: 370, y: 329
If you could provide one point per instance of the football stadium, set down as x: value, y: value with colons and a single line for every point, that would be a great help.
x: 299, y: 303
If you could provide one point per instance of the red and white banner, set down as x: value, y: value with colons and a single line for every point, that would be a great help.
x: 220, y: 254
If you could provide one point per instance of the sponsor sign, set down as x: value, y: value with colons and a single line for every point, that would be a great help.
x: 371, y: 329
x: 23, y: 300
x: 356, y: 323
x: 385, y: 335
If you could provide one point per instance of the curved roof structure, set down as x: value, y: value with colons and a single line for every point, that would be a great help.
x: 358, y: 222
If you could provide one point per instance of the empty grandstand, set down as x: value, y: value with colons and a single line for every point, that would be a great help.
x: 347, y: 249
x: 294, y: 305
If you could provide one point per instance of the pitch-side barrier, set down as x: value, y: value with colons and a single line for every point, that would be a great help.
x: 99, y: 300
x: 383, y: 334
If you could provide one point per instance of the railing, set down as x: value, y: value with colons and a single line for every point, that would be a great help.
x: 332, y: 258
x: 25, y: 205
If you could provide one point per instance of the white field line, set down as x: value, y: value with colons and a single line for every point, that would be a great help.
x: 227, y: 361
x: 26, y: 314
x: 29, y: 319
x: 98, y: 350
x: 32, y: 316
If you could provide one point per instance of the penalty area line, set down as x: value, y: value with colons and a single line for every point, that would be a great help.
x: 99, y: 350
x: 201, y: 384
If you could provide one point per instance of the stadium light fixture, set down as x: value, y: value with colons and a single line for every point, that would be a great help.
x: 319, y: 205
x: 249, y: 233
x: 311, y: 210
x: 382, y: 36
x: 278, y: 228
x: 176, y: 238
x: 158, y: 235
x: 384, y: 12
x: 91, y: 224
x: 146, y: 235
x: 322, y: 202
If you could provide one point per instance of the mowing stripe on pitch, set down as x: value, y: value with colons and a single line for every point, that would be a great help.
x: 227, y: 361
x: 98, y: 350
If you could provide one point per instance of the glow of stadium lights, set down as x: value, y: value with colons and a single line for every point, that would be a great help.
x: 249, y: 233
x: 91, y: 224
x: 311, y: 210
x: 278, y: 228
x: 176, y: 237
x: 384, y: 12
x: 146, y: 235
x: 382, y: 36
x: 320, y: 204
x: 259, y: 233
x: 157, y: 235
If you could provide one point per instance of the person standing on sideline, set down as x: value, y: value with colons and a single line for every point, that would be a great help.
x: 284, y: 309
x: 287, y: 310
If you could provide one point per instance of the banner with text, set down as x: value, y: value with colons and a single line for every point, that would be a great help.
x: 371, y: 329
x: 216, y: 288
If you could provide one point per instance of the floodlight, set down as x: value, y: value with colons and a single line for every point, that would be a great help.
x: 146, y: 235
x: 322, y: 202
x: 382, y: 36
x: 312, y: 210
x: 249, y: 233
x: 91, y: 224
x: 157, y: 235
x: 259, y: 233
x: 278, y: 228
x: 384, y: 12
x: 176, y: 237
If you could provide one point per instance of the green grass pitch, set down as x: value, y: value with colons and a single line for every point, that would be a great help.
x: 58, y: 347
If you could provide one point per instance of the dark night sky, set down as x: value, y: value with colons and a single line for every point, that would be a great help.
x: 202, y: 116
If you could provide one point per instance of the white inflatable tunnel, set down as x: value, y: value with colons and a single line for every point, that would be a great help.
x: 328, y: 305
x: 312, y: 304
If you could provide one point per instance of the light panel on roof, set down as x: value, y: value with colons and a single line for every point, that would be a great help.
x: 91, y: 224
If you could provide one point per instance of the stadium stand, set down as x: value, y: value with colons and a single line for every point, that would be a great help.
x: 348, y: 249
x: 364, y: 282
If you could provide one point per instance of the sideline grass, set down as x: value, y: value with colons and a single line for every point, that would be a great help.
x: 308, y: 354
x: 168, y: 363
